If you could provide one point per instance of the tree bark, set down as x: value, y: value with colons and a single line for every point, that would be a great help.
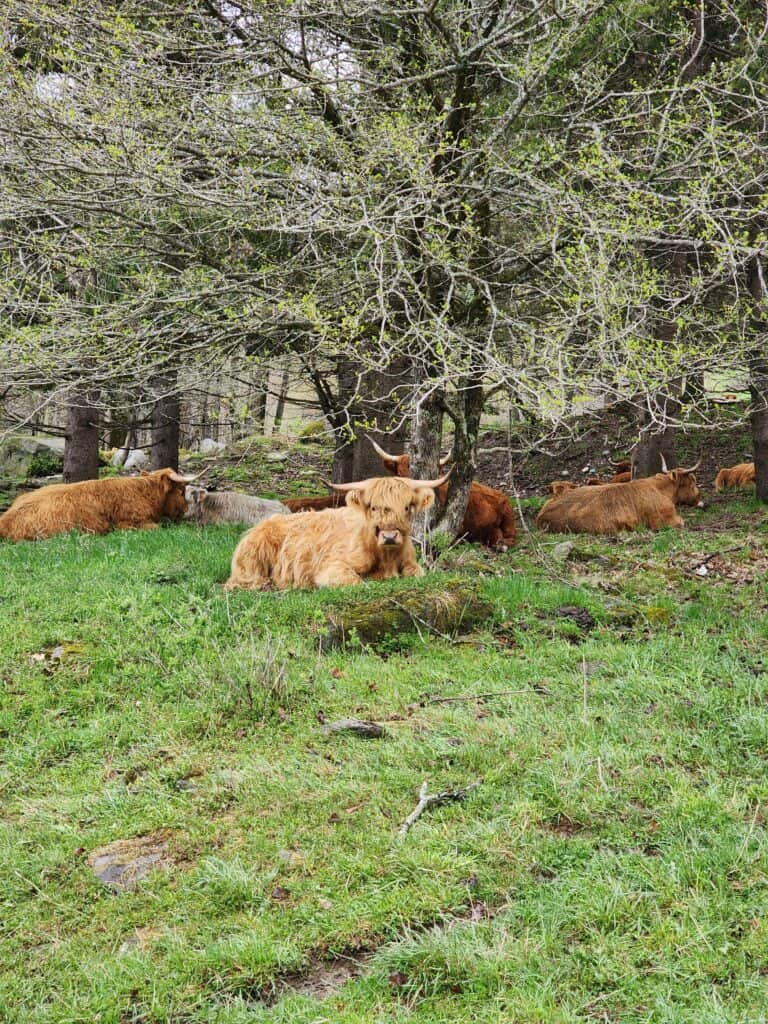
x: 465, y: 411
x: 758, y: 379
x: 656, y: 440
x: 81, y: 447
x: 282, y: 394
x: 165, y: 425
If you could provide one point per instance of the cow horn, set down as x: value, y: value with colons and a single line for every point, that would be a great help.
x: 380, y: 451
x: 427, y: 483
x: 356, y: 485
x: 446, y: 460
x: 693, y: 468
x: 663, y: 463
x: 619, y: 462
x: 179, y: 479
x: 359, y: 485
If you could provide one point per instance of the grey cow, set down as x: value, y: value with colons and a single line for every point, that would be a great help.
x: 212, y: 507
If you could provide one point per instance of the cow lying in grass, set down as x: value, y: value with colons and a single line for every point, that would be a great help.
x: 315, y: 503
x: 370, y: 538
x: 96, y: 506
x: 737, y: 476
x: 207, y: 508
x: 489, y: 517
x: 613, y: 507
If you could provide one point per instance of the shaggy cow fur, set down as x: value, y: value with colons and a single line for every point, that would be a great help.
x: 369, y: 538
x: 737, y: 476
x: 561, y: 486
x: 96, y: 506
x: 489, y: 518
x: 613, y: 507
x: 209, y: 507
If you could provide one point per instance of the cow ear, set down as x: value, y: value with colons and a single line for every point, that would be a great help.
x: 355, y: 499
x: 423, y: 497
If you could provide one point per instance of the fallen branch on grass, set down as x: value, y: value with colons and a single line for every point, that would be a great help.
x: 471, y: 696
x: 427, y: 800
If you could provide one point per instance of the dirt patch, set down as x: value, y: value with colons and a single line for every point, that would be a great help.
x: 719, y: 567
x: 322, y: 979
x: 123, y: 864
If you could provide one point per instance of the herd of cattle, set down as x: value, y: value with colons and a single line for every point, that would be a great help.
x: 360, y: 530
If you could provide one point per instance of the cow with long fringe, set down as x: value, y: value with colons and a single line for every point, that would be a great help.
x: 370, y: 538
x: 96, y: 506
x: 614, y: 507
x: 489, y: 517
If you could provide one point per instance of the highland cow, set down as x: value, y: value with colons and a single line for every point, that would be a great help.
x: 207, y: 508
x: 489, y: 517
x: 613, y: 507
x: 370, y: 538
x: 96, y: 506
x: 737, y: 476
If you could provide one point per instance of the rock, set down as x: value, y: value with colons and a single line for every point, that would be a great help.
x: 123, y: 864
x: 208, y: 446
x: 452, y: 607
x: 563, y: 550
x: 22, y: 457
x: 277, y: 456
x: 358, y: 726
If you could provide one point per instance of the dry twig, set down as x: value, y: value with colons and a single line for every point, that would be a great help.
x: 427, y: 800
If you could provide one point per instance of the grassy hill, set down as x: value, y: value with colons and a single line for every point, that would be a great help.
x: 609, y: 864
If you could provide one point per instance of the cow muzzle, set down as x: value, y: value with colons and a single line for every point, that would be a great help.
x: 387, y: 537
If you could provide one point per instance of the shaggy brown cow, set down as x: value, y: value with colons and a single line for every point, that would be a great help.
x: 613, y: 507
x: 489, y: 517
x: 96, y: 506
x: 368, y: 539
x: 737, y: 476
x: 314, y: 504
x: 561, y: 486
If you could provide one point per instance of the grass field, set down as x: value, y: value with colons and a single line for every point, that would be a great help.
x: 609, y: 865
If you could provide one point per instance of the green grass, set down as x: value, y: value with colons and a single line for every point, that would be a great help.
x: 609, y: 867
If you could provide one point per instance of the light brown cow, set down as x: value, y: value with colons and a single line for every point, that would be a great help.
x: 489, y: 517
x: 368, y: 539
x: 96, y: 506
x: 614, y: 507
x: 741, y: 475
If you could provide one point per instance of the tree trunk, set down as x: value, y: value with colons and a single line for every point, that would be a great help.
x: 758, y: 380
x: 282, y: 394
x: 656, y: 439
x: 466, y: 410
x: 81, y: 447
x: 165, y: 425
x: 259, y: 410
x: 427, y: 436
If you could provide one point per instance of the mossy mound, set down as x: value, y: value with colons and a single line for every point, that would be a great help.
x: 395, y: 621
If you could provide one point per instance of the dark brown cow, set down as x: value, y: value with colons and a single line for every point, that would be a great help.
x: 316, y: 504
x: 737, y: 476
x: 96, y: 506
x: 489, y: 517
x: 614, y: 507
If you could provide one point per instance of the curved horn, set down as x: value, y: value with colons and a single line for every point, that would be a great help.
x: 427, y: 483
x: 663, y: 463
x: 358, y: 485
x: 693, y: 468
x: 446, y: 460
x: 620, y: 462
x: 380, y: 451
x: 179, y: 479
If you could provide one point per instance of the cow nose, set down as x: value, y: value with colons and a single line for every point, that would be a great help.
x: 389, y: 536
